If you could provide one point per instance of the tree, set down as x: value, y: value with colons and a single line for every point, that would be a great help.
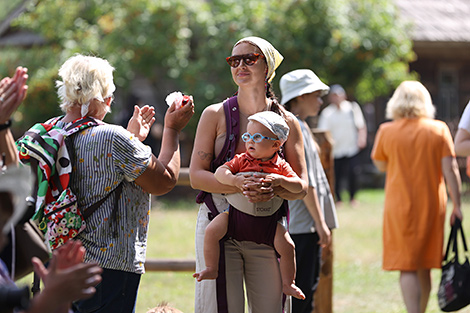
x: 181, y: 45
x: 361, y: 44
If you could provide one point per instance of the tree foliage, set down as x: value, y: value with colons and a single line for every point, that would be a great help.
x: 181, y: 45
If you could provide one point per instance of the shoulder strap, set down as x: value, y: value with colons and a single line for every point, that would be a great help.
x: 232, y: 122
x: 91, y: 209
x: 70, y: 130
x: 82, y: 123
x: 228, y: 151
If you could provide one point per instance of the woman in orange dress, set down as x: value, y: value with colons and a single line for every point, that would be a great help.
x: 417, y: 152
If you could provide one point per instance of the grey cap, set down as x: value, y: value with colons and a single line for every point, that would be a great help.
x: 274, y: 122
x: 337, y: 90
x: 300, y: 82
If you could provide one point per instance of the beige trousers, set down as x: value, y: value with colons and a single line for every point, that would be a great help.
x: 248, y: 264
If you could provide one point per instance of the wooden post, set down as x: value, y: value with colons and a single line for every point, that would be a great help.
x: 323, y: 298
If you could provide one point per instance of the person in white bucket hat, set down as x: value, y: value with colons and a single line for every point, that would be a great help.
x: 266, y: 133
x: 311, y: 218
x: 301, y: 82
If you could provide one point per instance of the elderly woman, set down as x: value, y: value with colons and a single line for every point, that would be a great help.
x: 107, y: 156
x: 417, y: 153
x: 218, y: 139
x: 67, y: 278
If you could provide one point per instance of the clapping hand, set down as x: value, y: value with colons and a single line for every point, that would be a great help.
x: 141, y: 121
x: 67, y: 278
x: 12, y: 93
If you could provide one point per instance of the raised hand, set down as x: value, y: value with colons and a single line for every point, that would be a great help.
x: 141, y: 121
x: 178, y: 118
x: 12, y: 93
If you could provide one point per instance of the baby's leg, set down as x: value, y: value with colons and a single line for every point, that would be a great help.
x: 215, y: 231
x: 286, y: 248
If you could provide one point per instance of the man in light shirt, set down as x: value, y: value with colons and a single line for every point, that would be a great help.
x: 345, y: 121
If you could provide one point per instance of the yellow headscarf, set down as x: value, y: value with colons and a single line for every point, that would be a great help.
x: 273, y: 57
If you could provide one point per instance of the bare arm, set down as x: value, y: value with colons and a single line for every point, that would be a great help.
x: 166, y: 168
x: 362, y: 137
x: 380, y: 165
x: 452, y: 178
x: 7, y: 146
x: 224, y: 175
x: 462, y: 142
x: 294, y: 154
x: 313, y: 207
x: 291, y: 184
x: 203, y: 152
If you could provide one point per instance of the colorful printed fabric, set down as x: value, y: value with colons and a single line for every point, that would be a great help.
x: 45, y: 146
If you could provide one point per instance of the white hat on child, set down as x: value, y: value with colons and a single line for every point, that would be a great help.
x: 274, y: 122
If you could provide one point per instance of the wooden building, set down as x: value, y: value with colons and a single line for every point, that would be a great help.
x: 441, y: 41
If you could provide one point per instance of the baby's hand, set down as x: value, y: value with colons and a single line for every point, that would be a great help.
x: 273, y: 180
x: 252, y: 182
x: 239, y: 182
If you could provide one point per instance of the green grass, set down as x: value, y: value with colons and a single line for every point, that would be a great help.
x: 360, y: 285
x: 171, y: 235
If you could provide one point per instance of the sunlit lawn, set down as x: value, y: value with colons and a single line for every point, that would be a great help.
x: 360, y: 285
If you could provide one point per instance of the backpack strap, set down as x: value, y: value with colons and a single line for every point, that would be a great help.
x: 91, y: 209
x: 74, y: 127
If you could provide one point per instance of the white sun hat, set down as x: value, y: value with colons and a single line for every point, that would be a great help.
x: 274, y: 122
x: 300, y: 82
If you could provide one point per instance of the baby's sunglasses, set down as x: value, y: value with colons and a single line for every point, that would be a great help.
x: 257, y: 137
x: 248, y: 59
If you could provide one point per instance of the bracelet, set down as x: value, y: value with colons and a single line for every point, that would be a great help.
x: 6, y: 125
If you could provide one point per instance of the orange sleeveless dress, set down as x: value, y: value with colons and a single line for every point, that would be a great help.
x: 415, y: 192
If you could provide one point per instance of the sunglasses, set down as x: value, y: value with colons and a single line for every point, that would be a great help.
x: 248, y: 59
x: 257, y: 137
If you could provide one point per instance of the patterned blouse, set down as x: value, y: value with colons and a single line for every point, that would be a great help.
x: 105, y: 156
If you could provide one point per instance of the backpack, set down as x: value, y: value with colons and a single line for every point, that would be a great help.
x: 48, y: 150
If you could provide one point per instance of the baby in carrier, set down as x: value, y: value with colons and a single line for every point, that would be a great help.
x: 266, y: 133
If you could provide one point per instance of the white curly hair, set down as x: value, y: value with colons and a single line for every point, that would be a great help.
x: 85, y: 78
